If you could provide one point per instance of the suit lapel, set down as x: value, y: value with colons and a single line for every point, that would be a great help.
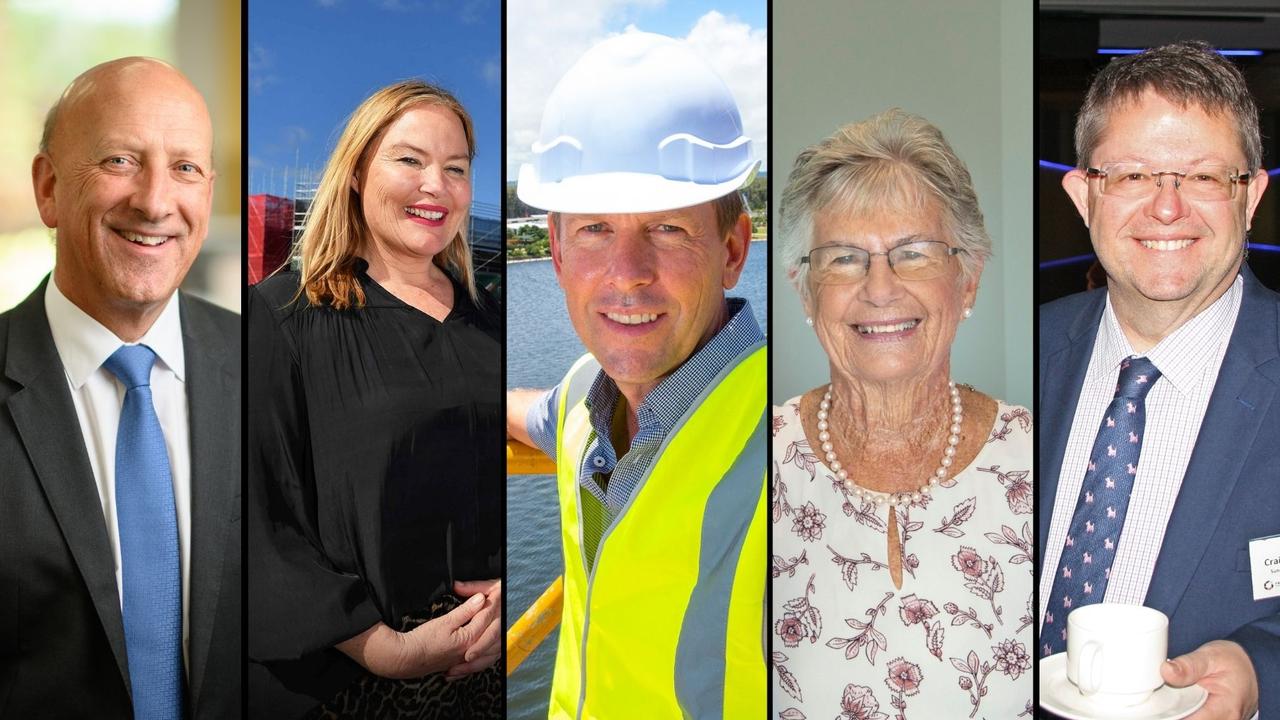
x: 1061, y: 378
x: 213, y: 396
x: 46, y: 420
x: 1241, y: 398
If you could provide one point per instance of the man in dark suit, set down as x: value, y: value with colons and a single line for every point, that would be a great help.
x: 1168, y: 180
x: 120, y: 422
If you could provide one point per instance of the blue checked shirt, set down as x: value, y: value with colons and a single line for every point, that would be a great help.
x: 657, y: 415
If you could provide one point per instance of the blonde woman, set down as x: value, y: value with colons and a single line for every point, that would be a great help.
x: 375, y: 432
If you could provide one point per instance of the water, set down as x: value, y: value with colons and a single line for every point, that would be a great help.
x: 541, y: 347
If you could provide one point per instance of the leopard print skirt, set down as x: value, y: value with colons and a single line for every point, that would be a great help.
x: 479, y: 695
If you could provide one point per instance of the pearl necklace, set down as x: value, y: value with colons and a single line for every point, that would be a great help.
x: 893, y: 499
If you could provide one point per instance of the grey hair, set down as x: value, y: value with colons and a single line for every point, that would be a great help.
x: 50, y: 120
x: 891, y: 161
x: 1185, y: 73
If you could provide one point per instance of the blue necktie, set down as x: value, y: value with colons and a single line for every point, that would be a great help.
x: 1085, y: 565
x: 148, y: 526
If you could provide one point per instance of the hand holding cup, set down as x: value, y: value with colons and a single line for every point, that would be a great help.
x: 1114, y: 652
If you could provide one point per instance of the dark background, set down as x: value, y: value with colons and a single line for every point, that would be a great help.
x: 1070, y: 33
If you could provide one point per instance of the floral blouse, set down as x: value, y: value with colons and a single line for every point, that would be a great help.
x: 955, y: 640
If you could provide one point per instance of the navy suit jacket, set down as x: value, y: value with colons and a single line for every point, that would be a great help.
x: 1230, y: 493
x: 62, y: 647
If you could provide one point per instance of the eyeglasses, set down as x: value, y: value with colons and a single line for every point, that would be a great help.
x: 1136, y: 180
x: 843, y: 264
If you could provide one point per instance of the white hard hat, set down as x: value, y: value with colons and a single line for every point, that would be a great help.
x: 640, y: 123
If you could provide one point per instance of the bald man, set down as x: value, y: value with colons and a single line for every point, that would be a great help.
x: 120, y: 422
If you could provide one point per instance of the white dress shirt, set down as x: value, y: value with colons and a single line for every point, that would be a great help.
x: 84, y: 345
x: 1188, y: 359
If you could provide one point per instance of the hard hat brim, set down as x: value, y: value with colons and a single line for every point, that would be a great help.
x: 621, y: 192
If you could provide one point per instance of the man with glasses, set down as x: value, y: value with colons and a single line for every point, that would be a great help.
x: 1180, y: 352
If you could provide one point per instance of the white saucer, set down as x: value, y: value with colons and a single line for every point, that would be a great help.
x: 1059, y: 696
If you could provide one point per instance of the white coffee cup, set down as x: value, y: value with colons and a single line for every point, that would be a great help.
x: 1114, y: 652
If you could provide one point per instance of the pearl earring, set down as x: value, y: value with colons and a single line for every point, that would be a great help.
x: 809, y: 321
x: 968, y: 312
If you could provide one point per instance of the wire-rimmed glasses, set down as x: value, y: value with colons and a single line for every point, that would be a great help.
x: 1138, y: 180
x: 843, y: 264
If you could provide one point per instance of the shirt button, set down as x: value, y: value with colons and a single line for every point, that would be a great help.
x: 598, y: 461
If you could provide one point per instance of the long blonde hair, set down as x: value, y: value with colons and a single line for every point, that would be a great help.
x: 335, y: 228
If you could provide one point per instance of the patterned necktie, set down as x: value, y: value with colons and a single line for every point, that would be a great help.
x: 1085, y: 565
x: 148, y: 527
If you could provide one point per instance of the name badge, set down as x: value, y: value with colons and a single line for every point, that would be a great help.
x: 1264, y: 564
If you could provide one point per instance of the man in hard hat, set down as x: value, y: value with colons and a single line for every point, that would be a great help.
x: 659, y: 433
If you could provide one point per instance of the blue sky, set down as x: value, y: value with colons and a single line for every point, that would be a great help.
x: 677, y: 17
x: 545, y: 38
x: 311, y: 62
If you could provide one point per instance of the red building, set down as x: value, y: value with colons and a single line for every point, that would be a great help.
x: 270, y: 235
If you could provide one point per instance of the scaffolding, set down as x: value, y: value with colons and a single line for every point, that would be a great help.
x: 298, y: 186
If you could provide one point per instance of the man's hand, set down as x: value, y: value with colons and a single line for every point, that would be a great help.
x: 1223, y: 668
x: 487, y: 646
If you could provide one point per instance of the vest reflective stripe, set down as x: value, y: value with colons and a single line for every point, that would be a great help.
x: 566, y: 681
x: 669, y: 623
x: 729, y: 519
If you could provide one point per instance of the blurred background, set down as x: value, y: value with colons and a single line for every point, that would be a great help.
x: 1076, y: 39
x: 44, y: 44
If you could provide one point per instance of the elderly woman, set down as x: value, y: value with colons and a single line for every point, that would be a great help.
x: 901, y: 499
x: 375, y: 464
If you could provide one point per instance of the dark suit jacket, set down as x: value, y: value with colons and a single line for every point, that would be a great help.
x: 1230, y: 493
x: 62, y: 648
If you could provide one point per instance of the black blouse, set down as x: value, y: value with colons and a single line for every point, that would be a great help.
x: 375, y: 474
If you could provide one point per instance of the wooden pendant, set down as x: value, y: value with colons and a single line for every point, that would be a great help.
x: 895, y: 549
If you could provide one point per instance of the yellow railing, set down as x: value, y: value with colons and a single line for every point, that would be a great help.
x: 535, y: 624
x: 524, y: 460
x: 544, y: 614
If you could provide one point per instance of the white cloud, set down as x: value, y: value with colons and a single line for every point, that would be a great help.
x: 477, y: 12
x: 295, y: 136
x: 260, y: 64
x: 259, y: 57
x: 740, y: 55
x: 543, y: 41
x: 467, y: 12
x: 285, y: 143
x: 491, y: 72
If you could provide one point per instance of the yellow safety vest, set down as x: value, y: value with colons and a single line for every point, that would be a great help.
x: 670, y: 622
